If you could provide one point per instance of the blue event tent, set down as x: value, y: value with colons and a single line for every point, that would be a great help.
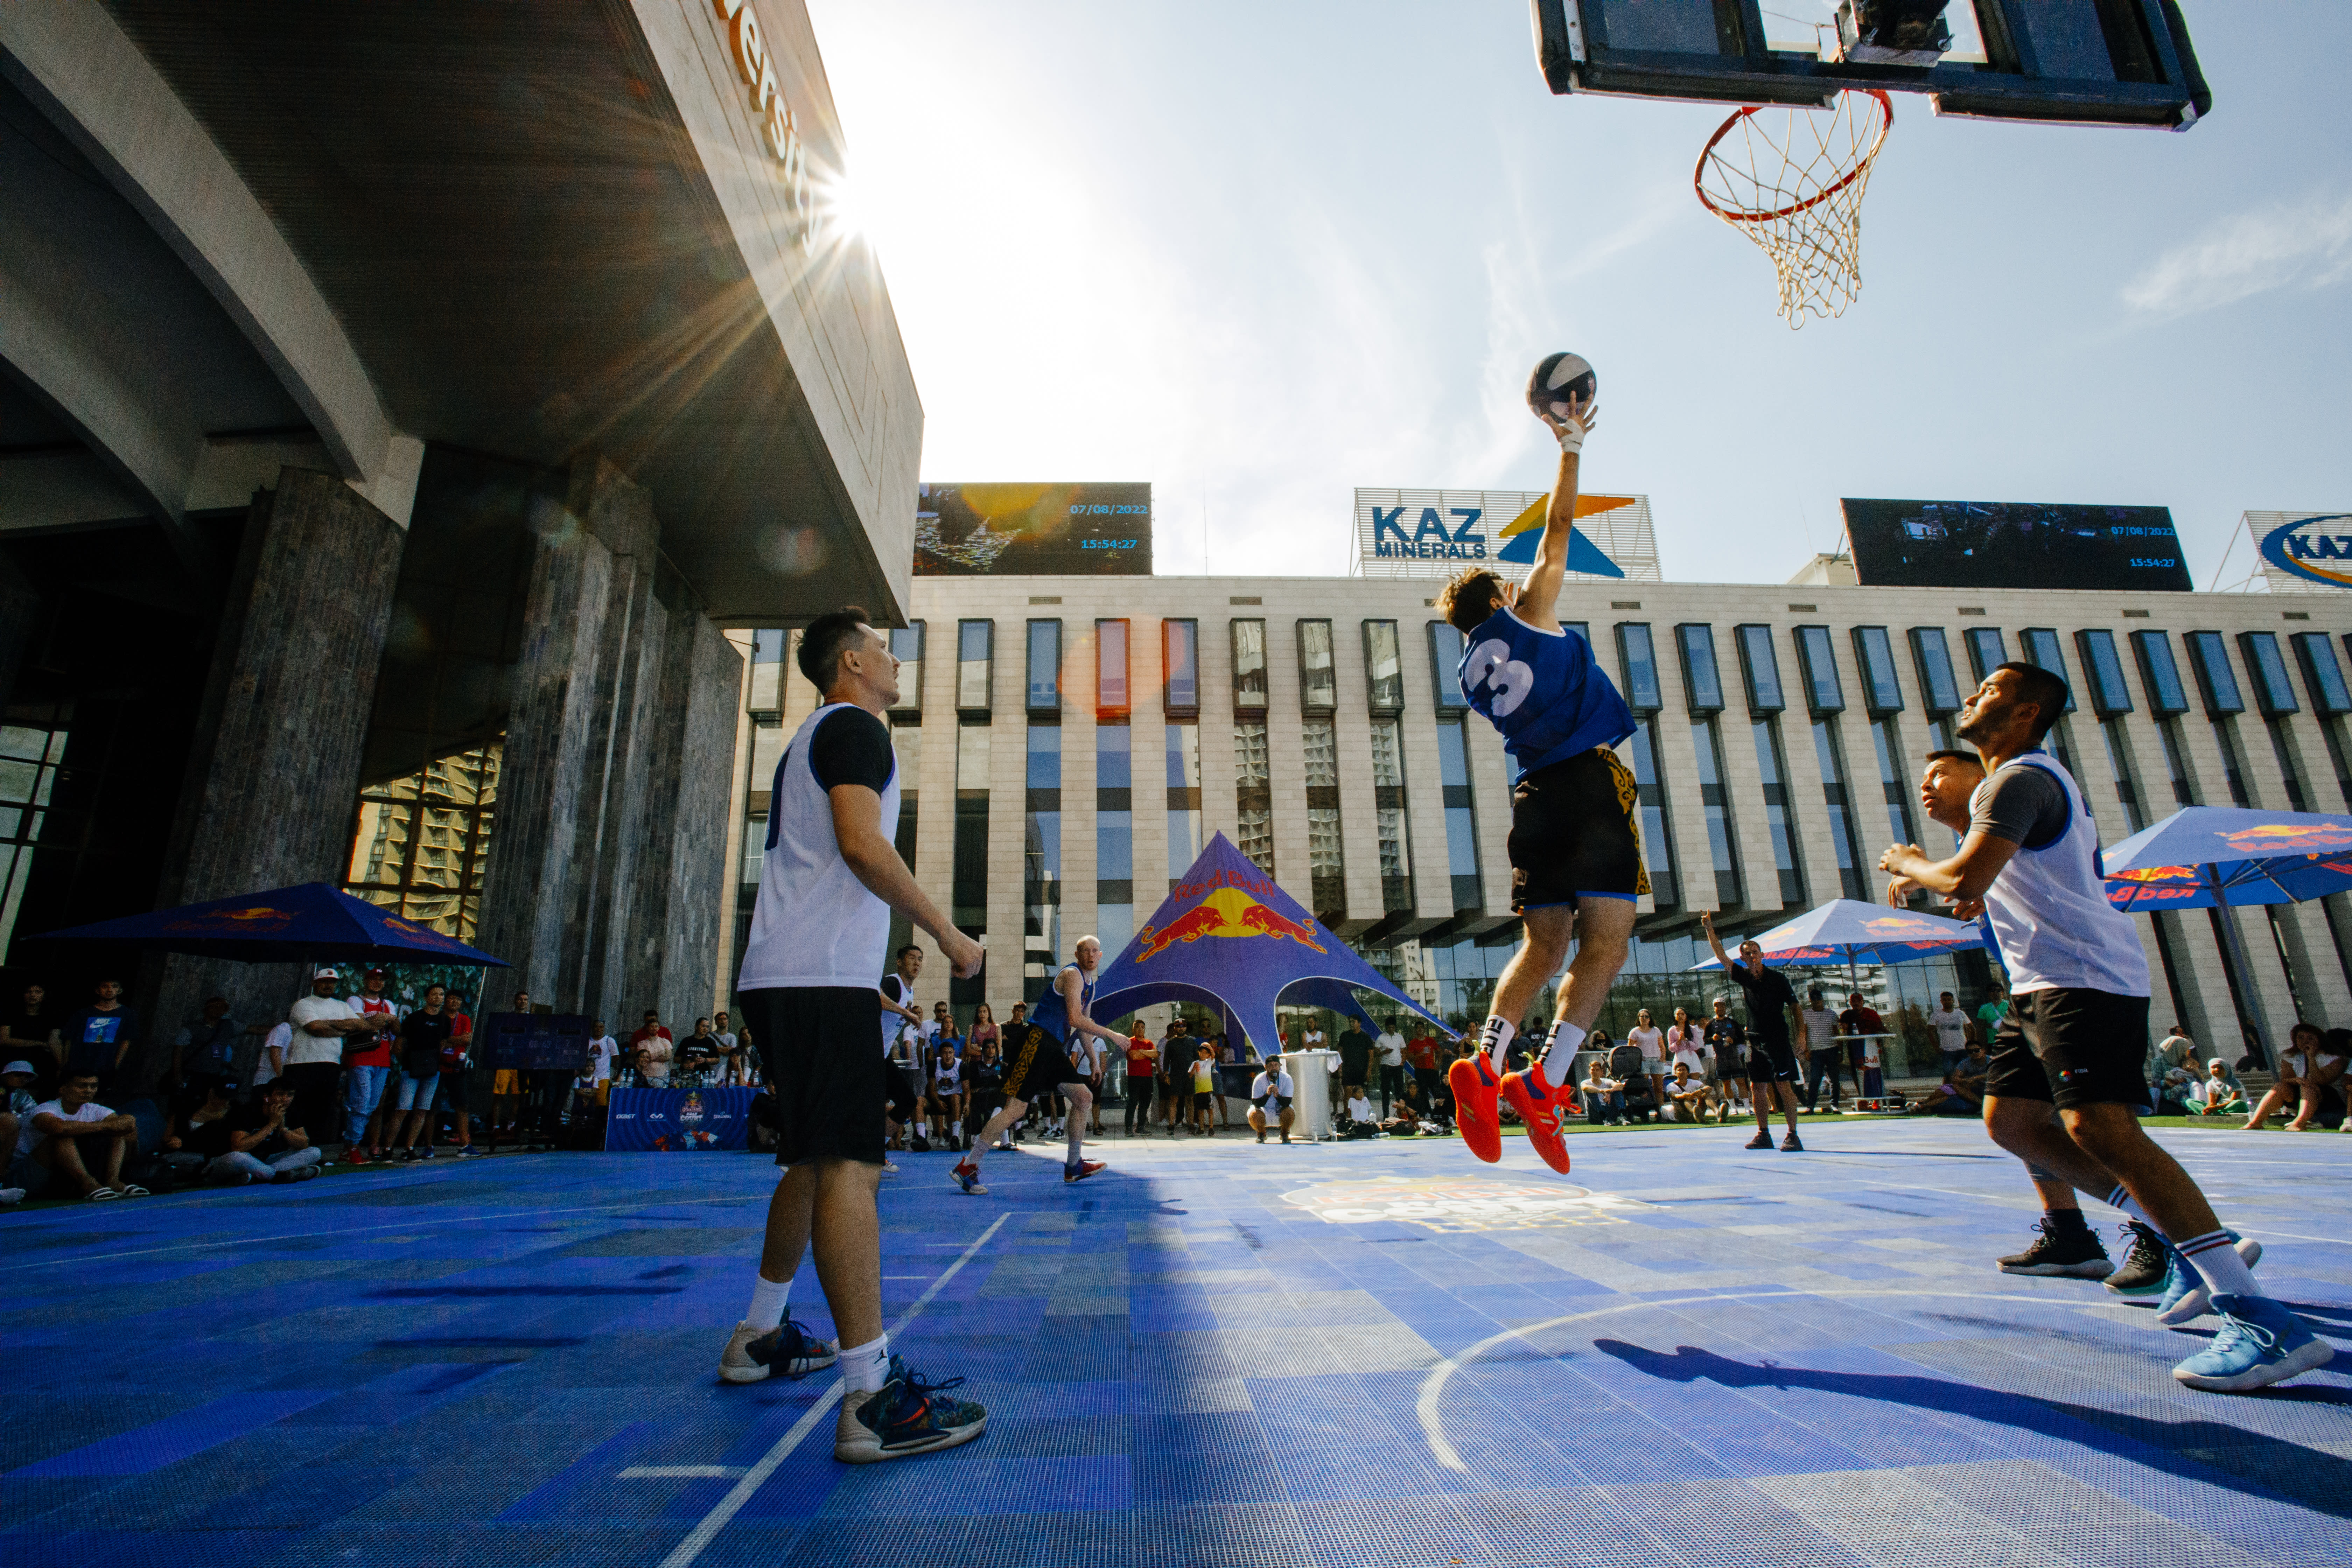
x: 1228, y: 937
x: 312, y: 923
x: 1848, y: 931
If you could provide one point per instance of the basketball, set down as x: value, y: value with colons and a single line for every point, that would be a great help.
x: 1559, y: 378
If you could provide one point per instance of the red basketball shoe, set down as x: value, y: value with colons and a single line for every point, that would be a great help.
x: 1473, y: 1081
x: 1543, y: 1106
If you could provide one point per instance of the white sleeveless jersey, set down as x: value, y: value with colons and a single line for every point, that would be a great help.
x: 2049, y: 910
x: 814, y: 923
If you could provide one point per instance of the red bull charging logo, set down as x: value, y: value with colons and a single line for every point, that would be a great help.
x: 1226, y: 912
x: 2288, y: 837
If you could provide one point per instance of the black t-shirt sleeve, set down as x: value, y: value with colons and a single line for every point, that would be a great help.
x: 851, y: 747
x: 2021, y: 805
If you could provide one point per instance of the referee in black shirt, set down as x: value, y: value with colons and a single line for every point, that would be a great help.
x: 1771, y: 1062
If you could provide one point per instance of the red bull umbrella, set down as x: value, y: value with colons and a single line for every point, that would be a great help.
x: 1848, y: 932
x: 1228, y: 937
x: 310, y: 923
x: 2203, y: 855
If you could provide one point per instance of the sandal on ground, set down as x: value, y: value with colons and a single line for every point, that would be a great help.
x: 101, y: 1195
x: 133, y: 1190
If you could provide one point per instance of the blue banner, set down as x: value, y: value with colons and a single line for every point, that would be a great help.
x: 671, y: 1119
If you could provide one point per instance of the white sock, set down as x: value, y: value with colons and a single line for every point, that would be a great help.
x: 2120, y: 1199
x: 769, y: 1300
x: 1494, y: 1040
x: 1077, y: 1136
x: 2215, y: 1256
x: 866, y: 1368
x: 1559, y: 1056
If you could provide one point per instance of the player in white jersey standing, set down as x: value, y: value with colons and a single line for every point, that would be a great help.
x: 830, y: 879
x: 2076, y: 1036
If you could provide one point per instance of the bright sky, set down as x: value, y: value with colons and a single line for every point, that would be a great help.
x: 1259, y: 255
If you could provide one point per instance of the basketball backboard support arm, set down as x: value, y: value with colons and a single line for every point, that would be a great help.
x: 2090, y: 62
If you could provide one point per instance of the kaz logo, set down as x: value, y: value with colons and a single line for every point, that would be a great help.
x: 2317, y: 548
x: 1431, y: 539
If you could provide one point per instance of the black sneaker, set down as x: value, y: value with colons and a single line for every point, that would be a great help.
x: 2145, y: 1265
x: 1762, y: 1140
x: 911, y: 1416
x: 751, y: 1355
x: 1792, y: 1145
x: 2074, y: 1251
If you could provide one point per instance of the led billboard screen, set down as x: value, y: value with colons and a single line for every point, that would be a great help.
x: 1034, y: 530
x: 2014, y: 544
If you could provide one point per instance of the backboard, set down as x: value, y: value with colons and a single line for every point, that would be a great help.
x: 2097, y: 62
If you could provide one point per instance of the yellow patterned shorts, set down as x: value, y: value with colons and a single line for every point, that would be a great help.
x: 1576, y: 833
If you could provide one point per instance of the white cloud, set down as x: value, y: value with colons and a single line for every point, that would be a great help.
x: 2307, y: 245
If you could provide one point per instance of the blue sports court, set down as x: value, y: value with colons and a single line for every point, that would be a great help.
x: 1214, y: 1354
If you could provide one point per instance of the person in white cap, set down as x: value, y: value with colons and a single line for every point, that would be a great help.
x: 314, y: 1066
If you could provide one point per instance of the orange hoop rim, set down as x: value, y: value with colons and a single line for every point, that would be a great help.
x: 1698, y: 174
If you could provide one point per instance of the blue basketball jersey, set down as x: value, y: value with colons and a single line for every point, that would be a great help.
x: 1050, y: 1013
x: 1544, y: 690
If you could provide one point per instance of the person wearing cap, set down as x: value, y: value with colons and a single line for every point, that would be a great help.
x: 367, y: 1075
x: 314, y: 1065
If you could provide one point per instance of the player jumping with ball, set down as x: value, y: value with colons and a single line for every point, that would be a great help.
x: 1575, y: 850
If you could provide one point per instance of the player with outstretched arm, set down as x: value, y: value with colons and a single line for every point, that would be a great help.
x: 1575, y: 849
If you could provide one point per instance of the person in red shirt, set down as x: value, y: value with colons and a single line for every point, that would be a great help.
x: 1421, y: 1055
x: 367, y: 1062
x: 1143, y: 1059
x: 456, y: 1059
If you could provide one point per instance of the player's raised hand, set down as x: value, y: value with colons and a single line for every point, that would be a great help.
x: 1571, y: 421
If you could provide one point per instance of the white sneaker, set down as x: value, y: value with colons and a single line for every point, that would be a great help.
x: 9, y: 1195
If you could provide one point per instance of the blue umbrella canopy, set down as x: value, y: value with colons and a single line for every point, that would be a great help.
x: 1846, y: 931
x: 2201, y: 856
x: 311, y: 922
x: 1229, y: 937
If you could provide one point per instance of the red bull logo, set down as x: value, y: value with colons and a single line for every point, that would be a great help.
x: 253, y: 917
x: 1901, y: 925
x: 2156, y: 874
x: 2286, y: 837
x: 1226, y: 912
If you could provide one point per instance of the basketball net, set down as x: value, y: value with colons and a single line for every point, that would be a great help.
x: 1794, y: 185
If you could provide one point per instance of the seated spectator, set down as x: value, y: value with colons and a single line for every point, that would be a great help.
x: 1688, y: 1098
x: 1359, y: 1108
x: 261, y: 1147
x: 1412, y: 1108
x: 2171, y: 1093
x: 17, y: 1104
x: 66, y: 1138
x: 2307, y: 1070
x: 1604, y: 1097
x: 1270, y: 1094
x: 1962, y: 1091
x: 700, y: 1052
x: 198, y: 1128
x: 2219, y: 1091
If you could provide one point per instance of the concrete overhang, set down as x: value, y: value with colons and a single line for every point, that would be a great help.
x: 552, y: 230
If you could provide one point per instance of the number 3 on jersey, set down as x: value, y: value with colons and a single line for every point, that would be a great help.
x: 1491, y: 664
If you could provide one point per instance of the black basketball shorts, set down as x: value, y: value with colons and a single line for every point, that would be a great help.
x: 1037, y: 1066
x: 1574, y: 834
x: 2071, y: 1047
x: 1771, y: 1061
x: 825, y: 1069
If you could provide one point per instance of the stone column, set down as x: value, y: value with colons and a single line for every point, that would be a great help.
x: 680, y: 863
x: 275, y: 769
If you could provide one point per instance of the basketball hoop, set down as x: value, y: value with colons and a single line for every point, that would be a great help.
x: 1799, y: 196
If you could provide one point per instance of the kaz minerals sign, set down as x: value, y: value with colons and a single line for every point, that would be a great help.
x: 2318, y: 548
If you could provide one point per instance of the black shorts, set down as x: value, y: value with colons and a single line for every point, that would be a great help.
x: 1273, y: 1104
x: 2072, y: 1048
x: 451, y: 1095
x: 1203, y: 1099
x: 826, y: 1069
x: 1037, y: 1067
x: 1351, y: 1077
x: 1574, y: 834
x: 1771, y: 1061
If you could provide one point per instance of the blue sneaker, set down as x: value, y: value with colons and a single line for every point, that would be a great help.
x: 2261, y: 1342
x: 910, y: 1415
x: 2185, y: 1296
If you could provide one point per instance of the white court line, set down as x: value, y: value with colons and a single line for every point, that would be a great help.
x: 757, y: 1475
x: 681, y: 1472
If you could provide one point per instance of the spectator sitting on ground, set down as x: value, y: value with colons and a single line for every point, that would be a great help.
x: 199, y: 1119
x: 1962, y: 1091
x: 1604, y: 1098
x: 261, y: 1147
x: 17, y: 1102
x: 1412, y: 1108
x: 1271, y: 1091
x: 2307, y: 1069
x: 1687, y: 1097
x: 2218, y: 1092
x: 2175, y: 1050
x: 1360, y: 1109
x: 2172, y: 1093
x: 66, y: 1138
